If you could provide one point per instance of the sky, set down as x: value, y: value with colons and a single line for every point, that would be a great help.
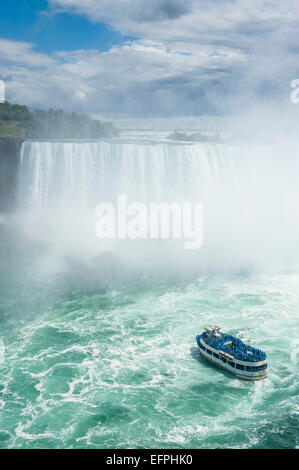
x: 152, y: 58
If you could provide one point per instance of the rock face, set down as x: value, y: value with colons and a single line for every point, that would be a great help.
x: 9, y: 162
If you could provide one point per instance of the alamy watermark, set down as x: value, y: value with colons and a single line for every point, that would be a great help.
x: 151, y: 221
x: 2, y: 91
x: 295, y: 92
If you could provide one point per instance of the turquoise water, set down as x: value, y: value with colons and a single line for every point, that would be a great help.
x: 101, y: 353
x: 89, y: 365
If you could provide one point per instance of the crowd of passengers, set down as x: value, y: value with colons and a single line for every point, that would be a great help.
x: 237, y: 348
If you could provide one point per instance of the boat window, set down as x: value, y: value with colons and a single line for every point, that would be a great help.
x: 223, y: 359
x: 232, y: 364
x: 208, y: 351
x: 216, y: 355
x: 255, y: 368
x: 239, y: 366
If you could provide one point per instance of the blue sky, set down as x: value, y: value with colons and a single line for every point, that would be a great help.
x: 149, y: 58
x: 32, y: 21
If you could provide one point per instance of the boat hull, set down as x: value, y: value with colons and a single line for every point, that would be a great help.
x: 242, y: 375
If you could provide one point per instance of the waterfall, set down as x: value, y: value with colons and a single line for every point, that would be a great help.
x: 86, y: 173
x: 246, y: 194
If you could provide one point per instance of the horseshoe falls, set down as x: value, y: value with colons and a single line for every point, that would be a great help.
x: 246, y: 195
x: 97, y: 342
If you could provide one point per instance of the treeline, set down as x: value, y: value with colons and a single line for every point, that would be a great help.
x: 55, y: 124
x: 14, y: 112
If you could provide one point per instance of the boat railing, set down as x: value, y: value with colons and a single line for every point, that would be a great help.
x: 211, y: 349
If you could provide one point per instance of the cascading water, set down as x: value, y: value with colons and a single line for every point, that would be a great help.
x: 94, y: 359
x: 85, y: 173
x: 243, y: 192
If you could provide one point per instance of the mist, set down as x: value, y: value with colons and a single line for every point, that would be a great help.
x: 248, y: 188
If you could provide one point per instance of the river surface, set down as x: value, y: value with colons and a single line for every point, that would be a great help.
x: 83, y: 367
x: 97, y: 343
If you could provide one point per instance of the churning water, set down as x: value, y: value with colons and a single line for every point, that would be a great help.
x: 97, y: 343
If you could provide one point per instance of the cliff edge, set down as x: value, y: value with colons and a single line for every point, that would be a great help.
x: 9, y: 162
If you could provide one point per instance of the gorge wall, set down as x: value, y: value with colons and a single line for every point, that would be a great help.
x: 9, y: 163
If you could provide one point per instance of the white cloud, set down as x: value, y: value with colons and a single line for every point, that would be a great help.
x: 238, y: 22
x: 117, y: 12
x: 193, y: 59
x: 23, y: 53
x: 124, y: 79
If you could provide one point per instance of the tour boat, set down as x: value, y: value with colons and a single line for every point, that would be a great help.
x: 231, y: 354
